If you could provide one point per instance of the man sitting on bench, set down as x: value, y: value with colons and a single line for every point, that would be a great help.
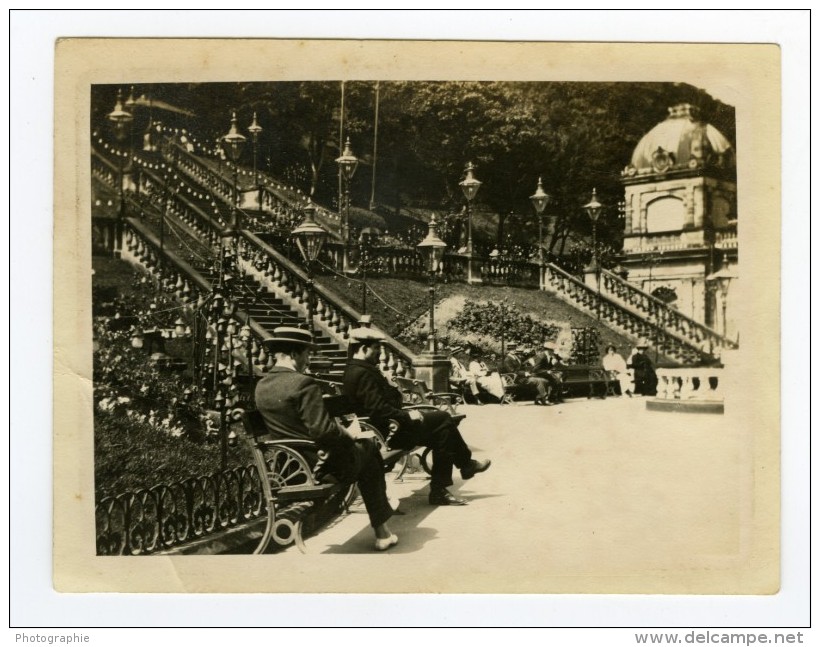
x: 546, y: 365
x: 292, y: 407
x: 373, y: 396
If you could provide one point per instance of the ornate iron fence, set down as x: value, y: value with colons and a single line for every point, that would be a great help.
x: 166, y: 516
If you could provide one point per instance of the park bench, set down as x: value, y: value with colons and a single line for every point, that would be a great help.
x: 577, y: 379
x: 291, y: 491
x: 416, y: 392
x: 588, y: 380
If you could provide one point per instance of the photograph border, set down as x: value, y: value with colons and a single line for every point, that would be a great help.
x: 73, y: 372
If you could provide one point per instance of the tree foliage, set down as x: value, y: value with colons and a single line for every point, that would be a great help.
x: 577, y: 136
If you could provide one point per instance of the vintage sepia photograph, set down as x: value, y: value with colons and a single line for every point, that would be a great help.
x: 481, y: 327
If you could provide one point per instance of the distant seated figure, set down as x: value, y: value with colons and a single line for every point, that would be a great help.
x: 646, y: 381
x: 615, y: 365
x: 489, y: 381
x: 546, y: 365
x: 515, y: 365
x: 461, y: 378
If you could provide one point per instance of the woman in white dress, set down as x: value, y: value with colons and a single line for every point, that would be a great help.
x: 489, y: 381
x: 615, y: 365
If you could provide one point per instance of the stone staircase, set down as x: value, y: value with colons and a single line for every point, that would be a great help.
x: 682, y: 340
x: 189, y: 256
x: 201, y: 202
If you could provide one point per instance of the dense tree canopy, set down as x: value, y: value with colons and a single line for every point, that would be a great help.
x: 575, y: 135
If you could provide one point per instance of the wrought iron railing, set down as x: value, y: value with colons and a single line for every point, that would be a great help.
x: 167, y: 516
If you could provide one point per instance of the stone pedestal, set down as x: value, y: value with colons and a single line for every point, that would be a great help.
x: 434, y: 369
x: 473, y: 271
x: 591, y: 276
x: 249, y: 199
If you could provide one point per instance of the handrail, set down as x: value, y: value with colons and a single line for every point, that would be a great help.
x: 673, y: 317
x: 342, y: 317
x: 190, y: 272
x: 673, y: 345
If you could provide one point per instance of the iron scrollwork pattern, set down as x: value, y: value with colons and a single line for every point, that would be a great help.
x: 168, y: 516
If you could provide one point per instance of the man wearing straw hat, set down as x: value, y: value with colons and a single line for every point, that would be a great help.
x: 292, y: 407
x: 373, y: 396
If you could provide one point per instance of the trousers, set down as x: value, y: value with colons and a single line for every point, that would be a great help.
x: 438, y: 431
x: 362, y: 465
x: 370, y: 480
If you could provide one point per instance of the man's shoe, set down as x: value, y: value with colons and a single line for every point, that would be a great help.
x: 474, y: 468
x: 443, y: 497
x: 387, y: 542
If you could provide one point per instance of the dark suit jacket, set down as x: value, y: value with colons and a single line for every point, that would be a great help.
x: 372, y: 395
x: 292, y: 406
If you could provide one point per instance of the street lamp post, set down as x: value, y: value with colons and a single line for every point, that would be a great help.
x: 433, y: 247
x: 310, y: 237
x: 348, y: 163
x: 255, y: 129
x: 469, y: 186
x: 539, y: 200
x: 593, y: 209
x: 121, y: 121
x: 232, y: 144
x: 246, y: 336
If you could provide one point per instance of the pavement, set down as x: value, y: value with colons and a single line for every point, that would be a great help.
x: 589, y: 495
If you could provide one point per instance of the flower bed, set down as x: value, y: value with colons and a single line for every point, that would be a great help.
x: 150, y: 423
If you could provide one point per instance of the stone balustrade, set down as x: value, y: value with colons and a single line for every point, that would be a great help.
x: 699, y: 383
x: 282, y: 277
x: 620, y: 317
x: 699, y: 389
x: 632, y: 297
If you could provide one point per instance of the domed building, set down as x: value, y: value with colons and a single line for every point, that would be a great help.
x: 680, y: 232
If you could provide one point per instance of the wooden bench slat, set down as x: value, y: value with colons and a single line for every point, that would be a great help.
x: 291, y: 493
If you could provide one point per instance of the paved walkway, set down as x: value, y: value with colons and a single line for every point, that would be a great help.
x: 597, y: 494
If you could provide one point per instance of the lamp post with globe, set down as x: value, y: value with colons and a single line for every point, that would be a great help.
x: 121, y: 122
x: 593, y: 209
x: 469, y: 186
x: 539, y: 200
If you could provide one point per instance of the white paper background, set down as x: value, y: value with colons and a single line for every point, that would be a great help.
x: 34, y: 603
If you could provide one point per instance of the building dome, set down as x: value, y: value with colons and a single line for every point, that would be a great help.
x: 681, y: 141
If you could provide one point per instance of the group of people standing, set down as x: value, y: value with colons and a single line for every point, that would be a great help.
x: 635, y: 375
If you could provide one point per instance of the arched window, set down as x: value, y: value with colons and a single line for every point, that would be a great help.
x: 665, y: 214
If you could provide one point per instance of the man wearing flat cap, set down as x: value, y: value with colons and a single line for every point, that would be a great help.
x: 373, y: 396
x: 292, y: 407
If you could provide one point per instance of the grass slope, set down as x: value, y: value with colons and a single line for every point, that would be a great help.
x: 411, y: 299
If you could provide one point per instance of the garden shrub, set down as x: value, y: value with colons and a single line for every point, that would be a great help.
x: 486, y: 320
